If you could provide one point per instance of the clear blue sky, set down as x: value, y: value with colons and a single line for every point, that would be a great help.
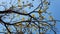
x: 55, y: 9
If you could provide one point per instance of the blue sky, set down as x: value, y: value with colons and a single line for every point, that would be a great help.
x: 55, y: 9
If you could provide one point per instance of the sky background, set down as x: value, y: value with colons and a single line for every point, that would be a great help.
x: 55, y: 9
